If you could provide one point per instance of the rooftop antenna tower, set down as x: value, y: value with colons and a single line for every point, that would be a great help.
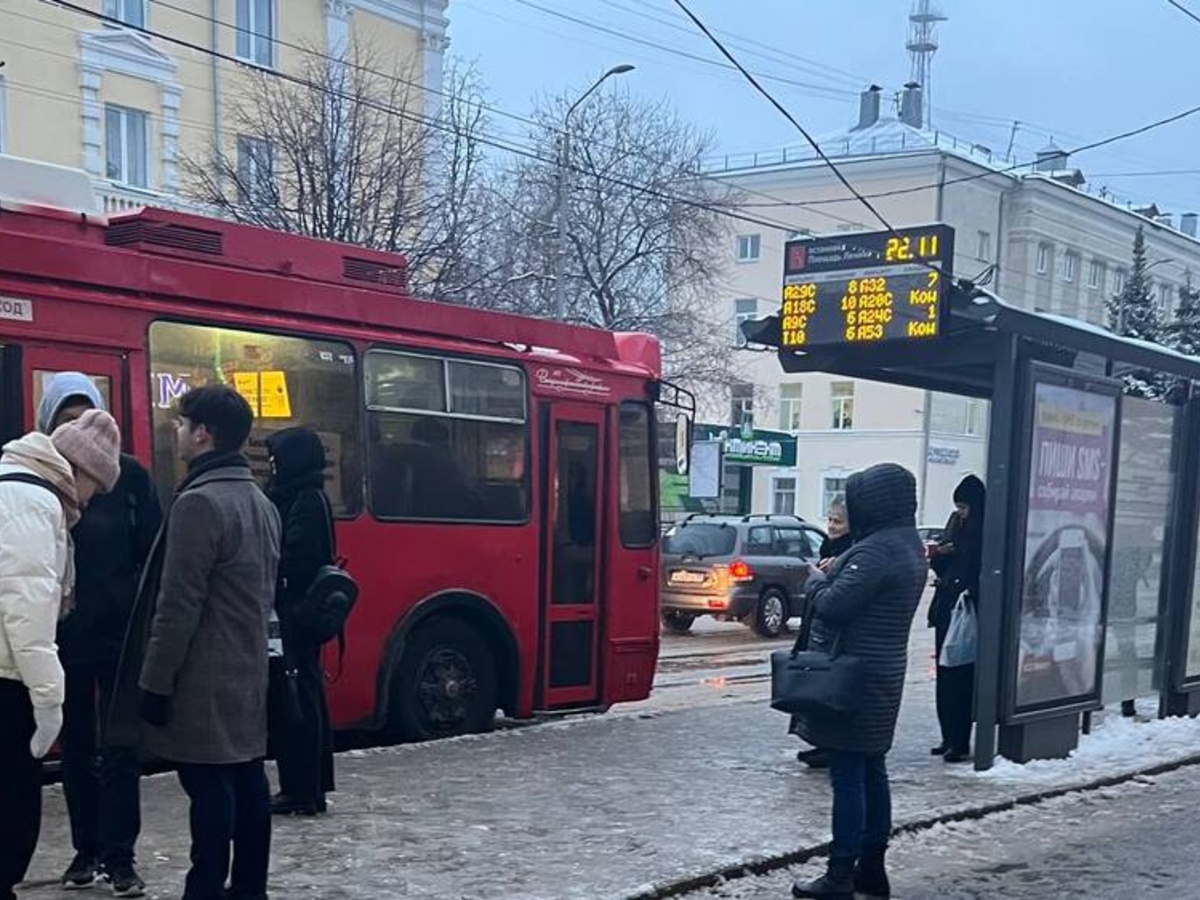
x: 922, y: 44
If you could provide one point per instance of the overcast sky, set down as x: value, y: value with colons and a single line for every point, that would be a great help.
x: 1077, y: 70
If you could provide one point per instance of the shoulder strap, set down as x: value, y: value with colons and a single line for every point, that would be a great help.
x: 27, y: 478
x: 329, y: 521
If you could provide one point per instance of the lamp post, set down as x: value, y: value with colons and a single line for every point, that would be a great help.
x: 564, y: 168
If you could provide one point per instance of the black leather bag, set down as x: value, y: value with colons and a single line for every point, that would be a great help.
x: 813, y: 682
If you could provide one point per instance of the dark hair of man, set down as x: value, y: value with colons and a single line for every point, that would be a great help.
x: 222, y: 411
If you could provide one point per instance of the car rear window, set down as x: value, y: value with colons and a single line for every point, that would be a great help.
x: 701, y: 540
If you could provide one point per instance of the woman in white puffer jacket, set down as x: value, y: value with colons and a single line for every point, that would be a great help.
x: 45, y: 482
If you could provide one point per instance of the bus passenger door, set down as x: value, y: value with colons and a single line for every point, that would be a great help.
x: 42, y: 361
x: 573, y: 526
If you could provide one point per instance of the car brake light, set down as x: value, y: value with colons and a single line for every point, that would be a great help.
x: 740, y: 571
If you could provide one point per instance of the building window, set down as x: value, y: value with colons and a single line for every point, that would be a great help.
x: 1044, y: 256
x: 1069, y: 266
x: 1096, y: 274
x: 743, y: 311
x: 131, y: 12
x: 1164, y: 298
x: 749, y: 247
x: 783, y: 496
x: 741, y: 412
x: 1119, y: 278
x: 842, y: 393
x: 983, y: 249
x: 256, y: 170
x: 832, y: 488
x: 127, y: 146
x: 789, y: 406
x: 256, y: 31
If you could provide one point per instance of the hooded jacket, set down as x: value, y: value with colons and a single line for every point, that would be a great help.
x: 35, y: 565
x: 112, y: 542
x: 867, y: 604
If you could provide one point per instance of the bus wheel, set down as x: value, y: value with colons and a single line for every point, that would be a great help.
x: 445, y: 684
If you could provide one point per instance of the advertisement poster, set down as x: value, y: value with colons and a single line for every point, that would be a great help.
x: 1066, y: 543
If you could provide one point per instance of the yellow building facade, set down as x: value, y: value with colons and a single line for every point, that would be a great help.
x: 127, y: 89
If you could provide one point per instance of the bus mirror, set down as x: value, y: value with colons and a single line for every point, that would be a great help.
x: 683, y: 444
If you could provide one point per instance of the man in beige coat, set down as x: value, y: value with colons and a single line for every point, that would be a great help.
x: 194, y: 669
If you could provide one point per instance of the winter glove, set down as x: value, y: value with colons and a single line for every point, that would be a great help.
x: 48, y: 721
x: 155, y: 709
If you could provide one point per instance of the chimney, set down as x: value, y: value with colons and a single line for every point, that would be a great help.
x: 1051, y: 159
x: 912, y: 111
x: 868, y: 107
x: 1187, y: 224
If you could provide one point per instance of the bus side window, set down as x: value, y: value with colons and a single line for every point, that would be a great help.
x: 637, y: 451
x: 12, y: 418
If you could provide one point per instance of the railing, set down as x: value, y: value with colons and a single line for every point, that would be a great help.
x: 120, y: 198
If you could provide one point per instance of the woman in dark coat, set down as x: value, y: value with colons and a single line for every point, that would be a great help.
x: 866, y: 607
x: 304, y: 745
x: 837, y: 541
x: 957, y: 561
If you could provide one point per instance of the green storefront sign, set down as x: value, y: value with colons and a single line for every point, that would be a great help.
x: 759, y: 448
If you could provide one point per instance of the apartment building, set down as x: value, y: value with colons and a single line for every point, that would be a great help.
x: 1050, y: 242
x: 126, y: 98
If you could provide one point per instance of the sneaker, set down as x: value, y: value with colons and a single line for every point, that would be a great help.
x: 81, y: 874
x: 125, y: 882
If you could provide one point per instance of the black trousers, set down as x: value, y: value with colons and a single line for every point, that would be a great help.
x: 101, y: 783
x: 304, y: 747
x: 20, y: 787
x: 955, y: 698
x: 230, y: 809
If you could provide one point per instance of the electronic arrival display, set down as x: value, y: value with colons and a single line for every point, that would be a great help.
x: 866, y: 288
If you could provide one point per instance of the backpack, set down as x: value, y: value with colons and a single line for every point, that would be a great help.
x: 325, y: 607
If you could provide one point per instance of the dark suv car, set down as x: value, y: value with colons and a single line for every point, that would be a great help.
x: 750, y: 569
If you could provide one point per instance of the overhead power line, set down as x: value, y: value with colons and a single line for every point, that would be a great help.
x: 716, y: 41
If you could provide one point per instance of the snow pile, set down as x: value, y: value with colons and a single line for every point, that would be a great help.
x: 1117, y: 746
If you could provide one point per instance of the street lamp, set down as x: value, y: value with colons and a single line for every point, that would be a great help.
x: 564, y: 164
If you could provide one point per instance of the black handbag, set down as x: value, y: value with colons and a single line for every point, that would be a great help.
x: 813, y: 682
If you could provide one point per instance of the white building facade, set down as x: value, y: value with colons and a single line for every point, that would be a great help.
x: 1050, y: 245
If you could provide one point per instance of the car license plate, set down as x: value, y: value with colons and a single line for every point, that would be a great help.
x: 685, y: 577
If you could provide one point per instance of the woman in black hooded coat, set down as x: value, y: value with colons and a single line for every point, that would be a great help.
x: 303, y: 740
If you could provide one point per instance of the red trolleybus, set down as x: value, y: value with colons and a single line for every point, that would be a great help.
x: 494, y: 477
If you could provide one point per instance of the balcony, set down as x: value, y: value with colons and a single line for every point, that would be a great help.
x: 121, y: 198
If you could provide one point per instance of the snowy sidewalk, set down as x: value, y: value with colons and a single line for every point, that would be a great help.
x: 598, y: 807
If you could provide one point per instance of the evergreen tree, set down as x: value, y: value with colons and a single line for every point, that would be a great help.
x: 1183, y: 332
x: 1133, y: 313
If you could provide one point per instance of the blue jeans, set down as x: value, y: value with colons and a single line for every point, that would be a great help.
x: 230, y: 809
x: 862, y: 803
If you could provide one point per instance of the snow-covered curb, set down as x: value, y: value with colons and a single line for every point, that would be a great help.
x: 1115, y: 747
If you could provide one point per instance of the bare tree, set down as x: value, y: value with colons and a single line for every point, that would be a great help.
x: 344, y: 151
x: 644, y: 231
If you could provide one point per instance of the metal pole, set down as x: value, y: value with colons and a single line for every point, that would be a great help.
x: 562, y: 210
x: 926, y: 429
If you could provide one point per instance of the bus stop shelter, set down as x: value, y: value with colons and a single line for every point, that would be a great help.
x: 1091, y: 522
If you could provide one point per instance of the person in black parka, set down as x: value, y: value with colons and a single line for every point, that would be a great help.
x: 960, y: 558
x: 112, y: 543
x: 865, y: 609
x: 304, y: 747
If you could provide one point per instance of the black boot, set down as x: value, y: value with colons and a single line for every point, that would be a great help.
x: 836, y: 884
x: 870, y: 876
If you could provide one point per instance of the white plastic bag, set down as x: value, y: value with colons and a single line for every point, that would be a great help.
x: 962, y: 638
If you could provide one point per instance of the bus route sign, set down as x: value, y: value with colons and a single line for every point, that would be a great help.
x: 866, y: 288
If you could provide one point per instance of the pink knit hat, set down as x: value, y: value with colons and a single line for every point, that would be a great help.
x: 92, y: 444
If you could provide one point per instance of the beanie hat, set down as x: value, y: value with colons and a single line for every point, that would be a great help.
x: 60, y: 388
x: 92, y: 444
